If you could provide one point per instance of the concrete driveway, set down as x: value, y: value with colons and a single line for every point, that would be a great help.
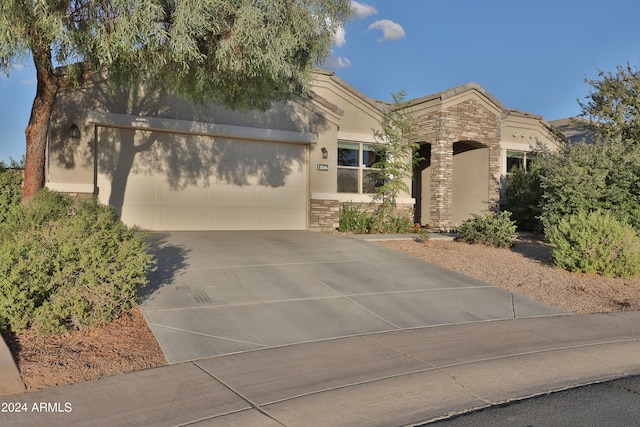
x: 217, y: 293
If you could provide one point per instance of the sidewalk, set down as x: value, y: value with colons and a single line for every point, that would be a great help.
x: 388, y: 379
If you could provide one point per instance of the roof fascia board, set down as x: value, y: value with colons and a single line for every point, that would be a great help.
x: 341, y: 89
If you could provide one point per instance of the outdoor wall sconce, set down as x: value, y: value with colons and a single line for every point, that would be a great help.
x: 75, y: 131
x: 325, y: 153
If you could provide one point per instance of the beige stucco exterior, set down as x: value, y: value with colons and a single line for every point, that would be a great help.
x: 165, y: 163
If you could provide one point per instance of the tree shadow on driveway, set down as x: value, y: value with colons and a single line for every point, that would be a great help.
x: 171, y: 261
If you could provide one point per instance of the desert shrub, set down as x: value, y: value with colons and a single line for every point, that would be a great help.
x: 354, y: 220
x: 381, y: 220
x: 68, y: 268
x: 587, y: 177
x: 489, y: 229
x: 46, y: 206
x: 524, y: 197
x: 10, y: 191
x: 595, y: 242
x: 384, y: 220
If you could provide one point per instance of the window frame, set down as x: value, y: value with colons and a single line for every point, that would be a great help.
x: 361, y: 168
x: 527, y: 158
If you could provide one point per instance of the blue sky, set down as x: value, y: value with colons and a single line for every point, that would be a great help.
x: 532, y: 56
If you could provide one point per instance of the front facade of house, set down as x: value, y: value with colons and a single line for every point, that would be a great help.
x: 170, y: 165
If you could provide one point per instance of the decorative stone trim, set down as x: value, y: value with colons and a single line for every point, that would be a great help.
x: 325, y: 214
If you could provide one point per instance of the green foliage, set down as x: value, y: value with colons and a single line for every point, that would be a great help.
x: 381, y: 220
x: 396, y: 150
x: 241, y: 54
x: 595, y: 242
x: 613, y: 106
x: 10, y: 191
x: 587, y: 177
x: 524, y: 197
x: 68, y: 264
x: 489, y: 229
x: 353, y: 220
x: 384, y: 221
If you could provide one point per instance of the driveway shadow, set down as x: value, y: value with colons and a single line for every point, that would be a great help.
x: 171, y: 261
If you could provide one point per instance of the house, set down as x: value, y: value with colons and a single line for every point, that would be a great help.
x: 167, y: 164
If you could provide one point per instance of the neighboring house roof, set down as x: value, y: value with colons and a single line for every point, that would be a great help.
x: 573, y: 129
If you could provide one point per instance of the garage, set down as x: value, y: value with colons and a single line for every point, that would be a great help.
x: 213, y: 179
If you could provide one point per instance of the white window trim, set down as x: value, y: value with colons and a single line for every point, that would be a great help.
x: 524, y: 159
x: 361, y: 167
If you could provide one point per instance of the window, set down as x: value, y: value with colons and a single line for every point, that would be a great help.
x: 519, y: 159
x: 356, y: 173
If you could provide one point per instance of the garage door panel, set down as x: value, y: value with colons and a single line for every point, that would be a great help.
x: 283, y: 198
x: 248, y: 194
x: 238, y: 197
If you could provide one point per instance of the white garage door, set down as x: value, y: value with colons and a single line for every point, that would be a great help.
x: 163, y: 181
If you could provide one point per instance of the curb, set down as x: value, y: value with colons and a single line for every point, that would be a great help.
x: 10, y: 379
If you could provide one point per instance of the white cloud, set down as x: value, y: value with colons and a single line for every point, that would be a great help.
x: 337, y: 62
x: 363, y: 10
x: 29, y: 82
x: 340, y: 39
x: 390, y: 30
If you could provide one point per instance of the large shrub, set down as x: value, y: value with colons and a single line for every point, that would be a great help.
x: 587, y: 177
x: 489, y: 229
x: 67, y: 264
x: 524, y: 197
x: 10, y: 191
x: 595, y: 242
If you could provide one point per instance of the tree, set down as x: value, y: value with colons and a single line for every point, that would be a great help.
x: 396, y: 149
x: 613, y: 106
x: 240, y: 53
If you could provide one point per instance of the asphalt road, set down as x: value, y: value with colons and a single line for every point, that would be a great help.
x: 611, y: 404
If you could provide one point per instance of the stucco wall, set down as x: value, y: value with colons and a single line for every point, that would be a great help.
x: 470, y: 176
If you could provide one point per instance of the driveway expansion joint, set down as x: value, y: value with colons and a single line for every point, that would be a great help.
x: 240, y: 395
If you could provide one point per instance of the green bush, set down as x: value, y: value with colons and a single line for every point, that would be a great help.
x: 10, y: 191
x: 381, y: 220
x: 587, y: 177
x: 489, y: 229
x: 353, y: 220
x: 595, y: 242
x: 384, y: 221
x: 68, y: 264
x: 524, y: 197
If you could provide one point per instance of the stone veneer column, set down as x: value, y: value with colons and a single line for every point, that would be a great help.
x: 441, y: 184
x: 494, y: 174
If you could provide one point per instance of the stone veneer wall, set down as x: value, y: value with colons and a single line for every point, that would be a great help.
x: 470, y: 120
x: 325, y: 214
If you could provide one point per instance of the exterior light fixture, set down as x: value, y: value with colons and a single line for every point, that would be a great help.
x: 75, y: 131
x: 325, y: 153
